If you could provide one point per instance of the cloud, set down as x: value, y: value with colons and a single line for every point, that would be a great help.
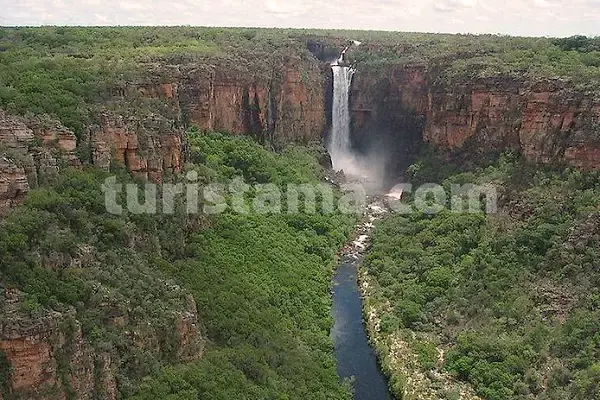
x: 453, y: 5
x: 101, y: 18
x: 287, y: 7
x: 132, y: 5
x: 517, y: 17
x: 544, y: 4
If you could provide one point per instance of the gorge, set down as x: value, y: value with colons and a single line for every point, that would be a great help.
x: 192, y: 306
x: 394, y: 108
x: 356, y: 360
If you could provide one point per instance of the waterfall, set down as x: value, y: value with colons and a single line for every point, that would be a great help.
x: 339, y: 146
x: 366, y: 167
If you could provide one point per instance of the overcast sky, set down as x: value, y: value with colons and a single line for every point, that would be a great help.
x: 516, y: 17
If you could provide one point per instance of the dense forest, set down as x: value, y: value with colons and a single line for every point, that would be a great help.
x: 261, y: 282
x: 511, y: 297
x: 463, y: 58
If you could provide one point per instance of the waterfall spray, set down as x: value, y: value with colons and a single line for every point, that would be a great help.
x: 366, y: 168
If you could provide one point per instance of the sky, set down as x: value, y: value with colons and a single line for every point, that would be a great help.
x: 513, y: 17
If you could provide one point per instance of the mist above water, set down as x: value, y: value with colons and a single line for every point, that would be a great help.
x: 366, y: 169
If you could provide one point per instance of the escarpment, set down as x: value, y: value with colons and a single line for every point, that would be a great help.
x: 283, y: 105
x: 142, y: 125
x: 45, y: 354
x: 280, y: 105
x: 548, y: 122
x: 395, y: 108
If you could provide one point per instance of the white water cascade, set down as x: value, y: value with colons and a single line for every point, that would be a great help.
x: 339, y: 146
x: 358, y: 167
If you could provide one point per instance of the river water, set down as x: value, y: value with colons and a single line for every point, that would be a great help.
x: 355, y: 357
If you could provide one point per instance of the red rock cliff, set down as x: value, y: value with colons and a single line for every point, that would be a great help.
x: 280, y: 104
x: 49, y: 358
x: 31, y: 150
x: 148, y: 146
x: 284, y: 104
x: 548, y: 122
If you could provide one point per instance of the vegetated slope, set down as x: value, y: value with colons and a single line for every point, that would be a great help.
x: 511, y: 298
x: 260, y: 284
x: 83, y: 302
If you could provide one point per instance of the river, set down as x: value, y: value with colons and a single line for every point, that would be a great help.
x: 355, y: 357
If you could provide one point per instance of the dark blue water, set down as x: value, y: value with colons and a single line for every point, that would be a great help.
x: 355, y: 357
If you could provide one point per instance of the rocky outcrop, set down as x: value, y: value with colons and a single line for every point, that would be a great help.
x: 13, y: 184
x: 187, y: 330
x: 31, y: 151
x: 48, y: 356
x: 52, y: 136
x: 15, y: 161
x: 148, y: 146
x: 548, y: 122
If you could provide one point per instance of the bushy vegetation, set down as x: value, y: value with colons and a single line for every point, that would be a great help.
x: 5, y: 373
x: 65, y: 252
x: 511, y: 296
x: 260, y: 282
x: 462, y: 58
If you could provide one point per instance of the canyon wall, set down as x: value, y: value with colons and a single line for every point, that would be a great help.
x: 143, y: 126
x: 280, y: 105
x: 388, y: 114
x: 394, y: 108
x: 44, y: 354
x: 34, y: 149
x: 548, y: 122
x: 31, y: 151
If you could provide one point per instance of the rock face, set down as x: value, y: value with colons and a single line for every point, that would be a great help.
x: 548, y: 122
x: 388, y: 113
x: 31, y: 346
x: 13, y: 184
x: 282, y: 105
x: 31, y: 150
x: 149, y: 147
x: 48, y: 357
x: 278, y: 105
x: 15, y: 139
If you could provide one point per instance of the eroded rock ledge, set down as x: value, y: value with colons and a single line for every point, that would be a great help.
x: 48, y: 356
